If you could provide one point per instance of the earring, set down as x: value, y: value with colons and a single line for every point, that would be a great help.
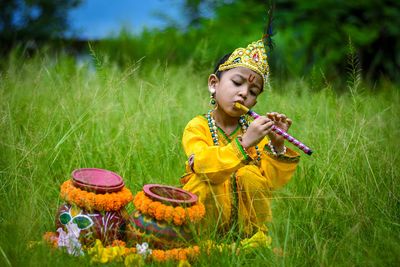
x: 213, y: 102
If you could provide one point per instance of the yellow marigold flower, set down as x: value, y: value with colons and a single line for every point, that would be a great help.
x: 184, y: 263
x: 260, y: 239
x: 134, y: 260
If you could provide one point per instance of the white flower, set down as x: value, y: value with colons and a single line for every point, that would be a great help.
x: 143, y: 249
x: 73, y: 229
x: 62, y: 238
x: 70, y: 239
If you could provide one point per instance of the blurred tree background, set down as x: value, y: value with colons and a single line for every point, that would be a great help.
x: 312, y: 37
x: 32, y: 22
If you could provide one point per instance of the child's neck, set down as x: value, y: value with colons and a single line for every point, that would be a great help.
x: 227, y: 123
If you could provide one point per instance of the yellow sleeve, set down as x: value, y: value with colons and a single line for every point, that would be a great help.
x: 279, y: 169
x: 215, y: 162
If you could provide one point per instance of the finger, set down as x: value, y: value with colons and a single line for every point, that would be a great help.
x: 269, y: 124
x: 267, y: 127
x: 281, y: 117
x: 278, y: 117
x: 271, y: 115
x: 263, y: 120
x: 289, y: 122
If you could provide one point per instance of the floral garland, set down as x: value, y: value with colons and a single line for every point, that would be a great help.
x: 176, y: 254
x: 161, y: 212
x: 118, y: 251
x: 91, y: 201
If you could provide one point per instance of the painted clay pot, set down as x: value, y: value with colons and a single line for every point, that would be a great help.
x: 104, y: 225
x: 161, y: 233
x: 95, y: 206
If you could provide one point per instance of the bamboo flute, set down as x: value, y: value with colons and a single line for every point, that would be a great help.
x: 278, y: 130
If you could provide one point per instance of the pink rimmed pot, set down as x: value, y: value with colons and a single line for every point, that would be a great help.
x: 160, y: 233
x: 92, y: 223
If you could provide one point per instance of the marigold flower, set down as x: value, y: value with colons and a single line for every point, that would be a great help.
x: 168, y: 213
x: 153, y: 207
x: 91, y: 201
x: 134, y: 260
x: 158, y: 255
x: 160, y: 211
x: 118, y: 243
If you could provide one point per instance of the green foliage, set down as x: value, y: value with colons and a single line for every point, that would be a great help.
x: 311, y: 37
x: 203, y: 45
x: 316, y: 33
x: 341, y: 207
x: 32, y: 20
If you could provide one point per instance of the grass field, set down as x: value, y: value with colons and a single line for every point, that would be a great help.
x: 342, y: 207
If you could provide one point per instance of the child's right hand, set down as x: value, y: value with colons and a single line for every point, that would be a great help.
x: 259, y: 128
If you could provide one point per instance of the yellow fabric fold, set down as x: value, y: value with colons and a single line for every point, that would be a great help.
x: 211, y: 167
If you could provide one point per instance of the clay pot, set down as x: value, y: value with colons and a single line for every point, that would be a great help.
x: 104, y: 225
x: 94, y: 224
x: 161, y: 234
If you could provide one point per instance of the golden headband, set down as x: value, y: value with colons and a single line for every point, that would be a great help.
x: 253, y: 57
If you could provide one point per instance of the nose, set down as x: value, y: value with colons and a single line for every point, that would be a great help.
x: 243, y: 92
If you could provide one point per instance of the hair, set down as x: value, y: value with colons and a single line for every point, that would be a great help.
x: 220, y: 62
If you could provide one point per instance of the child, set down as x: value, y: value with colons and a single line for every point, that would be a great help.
x: 235, y: 163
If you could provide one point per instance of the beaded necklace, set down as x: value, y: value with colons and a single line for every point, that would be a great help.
x: 213, y: 130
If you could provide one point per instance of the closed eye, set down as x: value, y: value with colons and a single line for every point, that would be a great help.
x: 236, y: 83
x: 255, y: 91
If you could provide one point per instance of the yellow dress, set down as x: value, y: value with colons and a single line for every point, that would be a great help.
x: 234, y: 187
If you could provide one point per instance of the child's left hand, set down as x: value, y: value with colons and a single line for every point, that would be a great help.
x: 283, y: 122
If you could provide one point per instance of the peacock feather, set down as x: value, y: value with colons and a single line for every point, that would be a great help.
x: 268, y: 31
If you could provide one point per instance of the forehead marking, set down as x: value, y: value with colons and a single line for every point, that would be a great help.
x: 251, y: 78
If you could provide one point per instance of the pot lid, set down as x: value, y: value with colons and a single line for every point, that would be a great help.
x: 98, y: 180
x: 170, y: 195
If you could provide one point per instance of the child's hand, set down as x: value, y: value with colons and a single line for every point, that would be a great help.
x: 281, y: 121
x: 259, y: 128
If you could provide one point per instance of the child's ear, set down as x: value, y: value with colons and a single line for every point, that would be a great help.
x: 213, y: 82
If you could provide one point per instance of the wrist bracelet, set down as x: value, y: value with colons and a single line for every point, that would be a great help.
x: 273, y: 151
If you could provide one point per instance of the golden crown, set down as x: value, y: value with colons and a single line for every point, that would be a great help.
x: 253, y: 57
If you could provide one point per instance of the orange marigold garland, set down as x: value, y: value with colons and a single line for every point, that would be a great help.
x: 161, y: 212
x: 91, y: 201
x: 118, y: 251
x: 175, y: 254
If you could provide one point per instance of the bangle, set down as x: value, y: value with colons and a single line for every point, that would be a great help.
x: 241, y: 147
x: 273, y: 151
x: 248, y: 153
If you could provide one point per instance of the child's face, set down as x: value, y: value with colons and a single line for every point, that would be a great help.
x: 236, y: 85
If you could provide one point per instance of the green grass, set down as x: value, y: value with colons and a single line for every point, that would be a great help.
x: 341, y: 208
